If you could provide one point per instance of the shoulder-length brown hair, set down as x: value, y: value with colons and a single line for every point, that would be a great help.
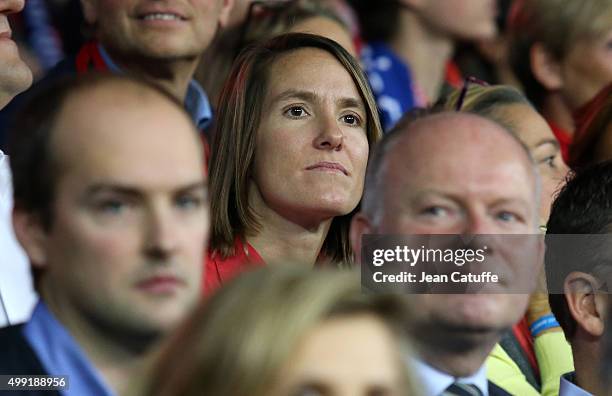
x: 233, y: 148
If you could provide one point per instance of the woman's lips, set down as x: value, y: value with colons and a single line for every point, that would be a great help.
x: 328, y: 167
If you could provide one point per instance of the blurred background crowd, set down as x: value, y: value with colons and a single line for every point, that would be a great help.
x: 316, y: 122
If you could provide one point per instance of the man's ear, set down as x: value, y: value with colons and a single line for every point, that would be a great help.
x: 89, y: 11
x: 545, y: 67
x: 226, y: 10
x: 31, y: 235
x: 360, y: 225
x: 586, y: 305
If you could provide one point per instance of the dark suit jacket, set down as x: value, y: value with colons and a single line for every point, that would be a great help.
x: 18, y: 358
x: 495, y: 390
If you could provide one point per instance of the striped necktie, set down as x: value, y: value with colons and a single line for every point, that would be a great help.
x: 460, y: 389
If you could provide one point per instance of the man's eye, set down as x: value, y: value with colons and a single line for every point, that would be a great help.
x: 508, y: 216
x: 189, y: 202
x: 111, y: 207
x: 296, y: 112
x: 434, y: 211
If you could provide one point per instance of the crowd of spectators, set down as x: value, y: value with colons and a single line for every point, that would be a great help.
x: 190, y: 190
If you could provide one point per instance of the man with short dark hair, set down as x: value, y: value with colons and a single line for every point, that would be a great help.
x: 114, y: 221
x: 578, y: 271
x: 480, y: 180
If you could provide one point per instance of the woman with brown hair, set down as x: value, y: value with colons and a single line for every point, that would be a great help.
x: 296, y: 122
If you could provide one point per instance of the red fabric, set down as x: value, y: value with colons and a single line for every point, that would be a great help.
x: 585, y: 114
x: 219, y: 271
x: 89, y: 58
x: 586, y: 134
x: 523, y: 335
x: 206, y: 148
x: 453, y: 75
x: 564, y: 138
x: 517, y: 18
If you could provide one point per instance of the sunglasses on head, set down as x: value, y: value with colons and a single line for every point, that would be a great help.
x: 466, y: 86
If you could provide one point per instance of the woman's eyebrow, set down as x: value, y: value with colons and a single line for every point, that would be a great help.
x: 307, y: 96
x: 351, y: 103
x: 312, y: 97
x: 547, y: 141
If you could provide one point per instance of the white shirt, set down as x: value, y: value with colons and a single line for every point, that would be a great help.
x: 16, y: 287
x: 435, y: 382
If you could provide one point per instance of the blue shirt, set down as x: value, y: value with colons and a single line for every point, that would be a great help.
x: 391, y: 82
x: 435, y: 381
x: 59, y: 354
x: 568, y: 388
x: 196, y: 101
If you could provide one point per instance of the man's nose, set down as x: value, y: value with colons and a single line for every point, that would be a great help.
x: 478, y: 223
x: 160, y: 233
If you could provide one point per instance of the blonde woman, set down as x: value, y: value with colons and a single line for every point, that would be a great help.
x: 288, y: 331
x: 559, y: 50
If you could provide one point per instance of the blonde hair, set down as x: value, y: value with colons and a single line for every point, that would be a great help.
x: 233, y: 148
x: 558, y: 25
x: 237, y: 343
x: 485, y: 100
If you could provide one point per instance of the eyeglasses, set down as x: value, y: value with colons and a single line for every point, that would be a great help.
x: 466, y: 86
